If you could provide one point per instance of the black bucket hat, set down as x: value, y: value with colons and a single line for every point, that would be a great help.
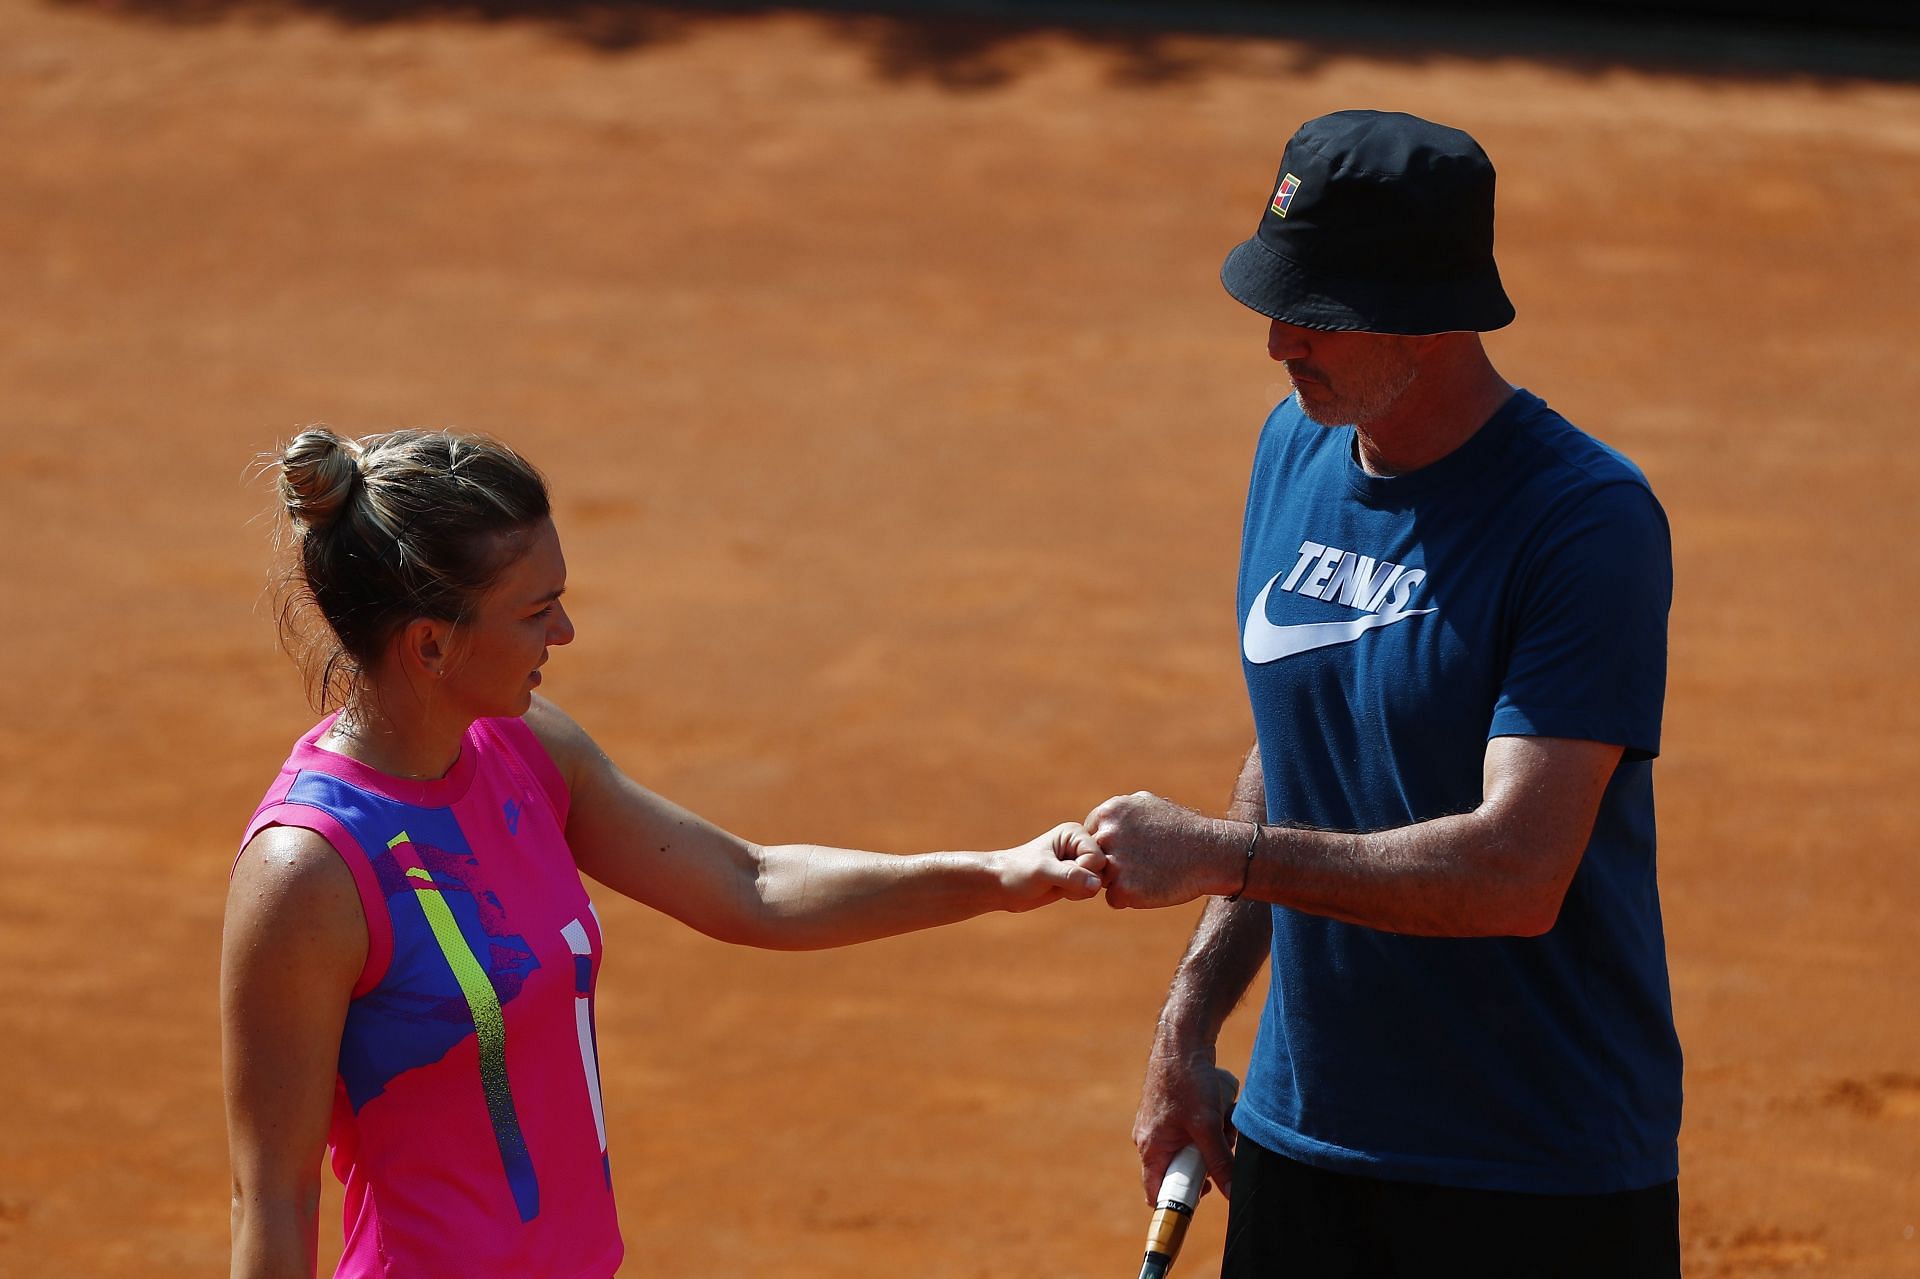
x: 1379, y: 222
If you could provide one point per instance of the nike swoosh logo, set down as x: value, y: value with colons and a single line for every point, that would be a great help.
x: 1264, y: 642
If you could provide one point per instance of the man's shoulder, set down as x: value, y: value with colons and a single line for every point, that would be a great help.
x: 1576, y: 494
x: 1556, y: 451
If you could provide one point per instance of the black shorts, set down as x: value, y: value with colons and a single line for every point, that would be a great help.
x: 1291, y: 1221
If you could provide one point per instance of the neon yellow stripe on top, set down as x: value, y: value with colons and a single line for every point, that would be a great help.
x: 490, y: 1032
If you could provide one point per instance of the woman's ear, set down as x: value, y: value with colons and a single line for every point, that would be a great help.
x: 426, y: 646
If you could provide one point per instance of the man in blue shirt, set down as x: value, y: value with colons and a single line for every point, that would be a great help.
x: 1452, y: 613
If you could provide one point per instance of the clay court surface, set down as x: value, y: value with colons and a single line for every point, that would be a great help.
x: 898, y: 429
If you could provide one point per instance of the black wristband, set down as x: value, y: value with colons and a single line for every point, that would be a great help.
x: 1246, y: 869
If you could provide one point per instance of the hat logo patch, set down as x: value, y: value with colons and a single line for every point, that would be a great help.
x: 1283, y: 195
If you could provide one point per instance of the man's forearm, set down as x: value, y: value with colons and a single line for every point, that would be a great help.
x: 1449, y: 877
x: 1455, y: 876
x: 1500, y: 869
x: 1226, y: 951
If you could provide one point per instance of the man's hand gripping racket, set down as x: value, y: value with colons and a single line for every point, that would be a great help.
x: 1184, y: 1180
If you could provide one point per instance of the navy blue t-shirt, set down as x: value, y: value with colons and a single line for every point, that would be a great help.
x: 1390, y: 626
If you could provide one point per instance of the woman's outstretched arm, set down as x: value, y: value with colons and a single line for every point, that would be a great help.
x: 789, y: 896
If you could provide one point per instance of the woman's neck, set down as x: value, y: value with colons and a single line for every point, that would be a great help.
x: 419, y: 747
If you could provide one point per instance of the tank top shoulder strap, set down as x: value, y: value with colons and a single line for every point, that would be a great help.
x: 529, y: 763
x: 280, y: 807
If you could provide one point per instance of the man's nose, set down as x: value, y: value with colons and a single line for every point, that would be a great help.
x: 1287, y: 341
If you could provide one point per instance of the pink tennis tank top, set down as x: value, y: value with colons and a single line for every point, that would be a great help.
x: 467, y: 1126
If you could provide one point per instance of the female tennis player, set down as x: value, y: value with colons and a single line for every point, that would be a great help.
x: 410, y: 954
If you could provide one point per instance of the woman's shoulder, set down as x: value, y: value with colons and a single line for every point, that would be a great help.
x: 567, y: 744
x: 298, y: 869
x: 295, y: 927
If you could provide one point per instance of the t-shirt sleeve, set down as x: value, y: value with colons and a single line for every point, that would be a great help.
x: 1588, y: 655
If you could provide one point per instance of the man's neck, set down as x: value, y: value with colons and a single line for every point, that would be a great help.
x: 1443, y: 408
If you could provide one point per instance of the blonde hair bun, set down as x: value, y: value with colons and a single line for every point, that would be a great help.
x: 317, y: 474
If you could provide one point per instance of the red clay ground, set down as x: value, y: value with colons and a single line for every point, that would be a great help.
x: 898, y: 428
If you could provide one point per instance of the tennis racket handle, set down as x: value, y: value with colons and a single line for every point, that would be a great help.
x: 1179, y: 1192
x: 1168, y: 1231
x: 1180, y: 1187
